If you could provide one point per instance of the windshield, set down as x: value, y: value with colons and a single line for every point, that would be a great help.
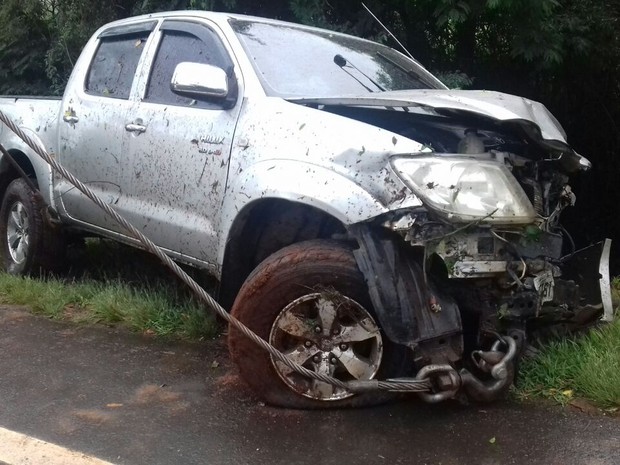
x: 298, y: 62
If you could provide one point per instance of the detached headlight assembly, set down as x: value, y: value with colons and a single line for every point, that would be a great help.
x: 466, y: 189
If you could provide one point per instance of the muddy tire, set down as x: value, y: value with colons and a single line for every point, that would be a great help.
x: 310, y: 301
x: 30, y: 245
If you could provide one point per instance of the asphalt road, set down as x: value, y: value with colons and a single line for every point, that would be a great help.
x: 131, y: 400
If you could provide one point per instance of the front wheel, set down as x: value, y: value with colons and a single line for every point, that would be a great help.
x: 29, y: 243
x: 309, y: 300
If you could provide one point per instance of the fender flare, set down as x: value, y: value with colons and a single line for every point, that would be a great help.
x: 299, y: 182
x: 43, y: 171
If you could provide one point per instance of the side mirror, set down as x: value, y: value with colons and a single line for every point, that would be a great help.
x: 199, y: 80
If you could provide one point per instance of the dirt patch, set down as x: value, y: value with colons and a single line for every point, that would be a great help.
x: 229, y: 380
x: 231, y: 385
x: 93, y: 416
x: 153, y: 394
x: 76, y: 313
x: 12, y: 314
x: 585, y: 406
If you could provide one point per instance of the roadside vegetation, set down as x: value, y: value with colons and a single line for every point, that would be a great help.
x: 587, y: 367
x: 114, y: 285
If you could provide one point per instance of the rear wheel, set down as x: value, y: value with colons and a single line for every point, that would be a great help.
x: 29, y: 243
x: 309, y: 300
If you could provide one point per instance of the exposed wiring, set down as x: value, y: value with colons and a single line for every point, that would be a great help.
x: 462, y: 228
x: 503, y: 239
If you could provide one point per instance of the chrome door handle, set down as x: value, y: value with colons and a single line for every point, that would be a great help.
x: 137, y: 128
x: 72, y: 119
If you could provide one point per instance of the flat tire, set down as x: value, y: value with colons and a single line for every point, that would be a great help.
x: 310, y: 301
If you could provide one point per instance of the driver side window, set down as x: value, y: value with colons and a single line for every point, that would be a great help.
x: 177, y: 46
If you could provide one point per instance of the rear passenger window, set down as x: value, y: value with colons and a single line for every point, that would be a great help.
x: 114, y: 65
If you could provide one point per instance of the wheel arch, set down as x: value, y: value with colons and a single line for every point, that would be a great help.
x: 262, y: 228
x: 34, y: 166
x: 8, y: 172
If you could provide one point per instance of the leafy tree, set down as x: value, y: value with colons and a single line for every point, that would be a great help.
x: 72, y: 22
x: 24, y: 36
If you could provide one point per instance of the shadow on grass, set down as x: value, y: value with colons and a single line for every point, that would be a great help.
x: 104, y: 260
x: 110, y: 283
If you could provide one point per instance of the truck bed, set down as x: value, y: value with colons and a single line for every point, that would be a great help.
x: 39, y: 114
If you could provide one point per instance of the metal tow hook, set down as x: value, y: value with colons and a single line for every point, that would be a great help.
x: 494, y: 361
x: 502, y: 371
x: 446, y: 380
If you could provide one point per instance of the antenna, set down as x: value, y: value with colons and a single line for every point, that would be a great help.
x: 389, y: 32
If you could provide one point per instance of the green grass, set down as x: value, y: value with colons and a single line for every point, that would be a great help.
x: 586, y: 367
x: 112, y: 284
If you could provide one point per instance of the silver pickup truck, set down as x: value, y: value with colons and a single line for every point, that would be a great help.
x: 361, y: 217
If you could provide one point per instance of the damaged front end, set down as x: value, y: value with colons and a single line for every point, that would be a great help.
x: 468, y: 319
x: 484, y: 267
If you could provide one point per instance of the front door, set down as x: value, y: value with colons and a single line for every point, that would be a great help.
x: 179, y: 148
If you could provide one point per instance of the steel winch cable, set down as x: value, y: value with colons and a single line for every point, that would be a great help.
x: 354, y: 386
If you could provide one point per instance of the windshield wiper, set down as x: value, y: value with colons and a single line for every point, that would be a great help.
x: 343, y: 63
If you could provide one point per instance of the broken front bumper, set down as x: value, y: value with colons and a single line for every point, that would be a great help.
x: 511, y: 300
x: 527, y: 280
x: 536, y: 278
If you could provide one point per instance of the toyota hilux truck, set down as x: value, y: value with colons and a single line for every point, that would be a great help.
x: 362, y: 218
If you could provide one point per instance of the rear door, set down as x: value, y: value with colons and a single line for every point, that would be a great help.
x: 92, y: 133
x: 180, y: 146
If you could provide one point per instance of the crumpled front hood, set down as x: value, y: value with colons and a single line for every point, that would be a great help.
x: 532, y: 116
x: 496, y: 105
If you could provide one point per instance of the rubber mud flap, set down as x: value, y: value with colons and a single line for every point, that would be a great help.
x: 589, y: 268
x: 410, y: 310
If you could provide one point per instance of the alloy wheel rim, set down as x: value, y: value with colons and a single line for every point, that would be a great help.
x: 18, y: 233
x: 328, y: 333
